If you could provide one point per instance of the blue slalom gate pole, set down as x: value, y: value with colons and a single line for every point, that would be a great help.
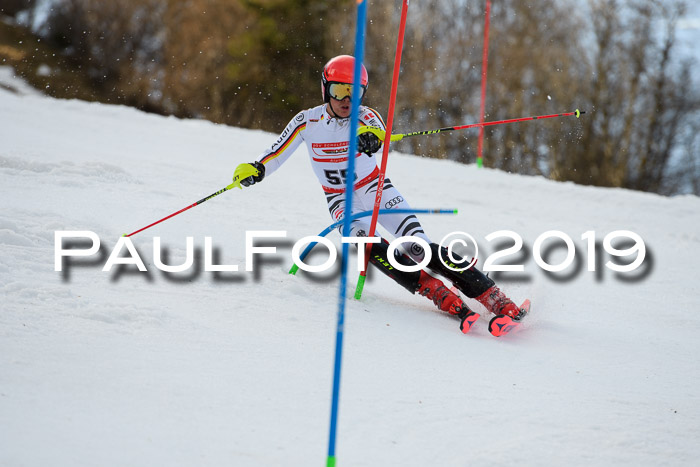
x: 354, y: 113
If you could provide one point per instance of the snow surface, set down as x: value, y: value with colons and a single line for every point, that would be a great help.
x: 128, y: 368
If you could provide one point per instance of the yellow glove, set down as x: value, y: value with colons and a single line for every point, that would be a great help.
x: 248, y: 174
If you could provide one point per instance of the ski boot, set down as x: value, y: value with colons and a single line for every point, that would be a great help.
x: 446, y: 300
x: 498, y: 303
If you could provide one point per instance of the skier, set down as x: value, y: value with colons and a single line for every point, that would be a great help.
x: 325, y: 130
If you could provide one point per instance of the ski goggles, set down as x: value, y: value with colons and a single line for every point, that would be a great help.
x: 340, y: 91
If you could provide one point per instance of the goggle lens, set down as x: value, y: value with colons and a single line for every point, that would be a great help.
x: 340, y: 91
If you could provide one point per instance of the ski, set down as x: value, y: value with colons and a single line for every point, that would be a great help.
x: 468, y: 321
x: 503, y: 324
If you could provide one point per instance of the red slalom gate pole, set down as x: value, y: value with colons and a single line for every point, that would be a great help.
x: 387, y: 141
x: 484, y: 68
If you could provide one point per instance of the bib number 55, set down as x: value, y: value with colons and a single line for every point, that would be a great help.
x: 337, y: 177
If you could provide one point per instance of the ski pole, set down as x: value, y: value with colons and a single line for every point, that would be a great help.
x: 242, y: 172
x: 398, y: 137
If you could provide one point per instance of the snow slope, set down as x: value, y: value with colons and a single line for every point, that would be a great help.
x: 129, y: 368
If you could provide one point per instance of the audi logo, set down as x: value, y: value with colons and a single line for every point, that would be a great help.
x: 393, y: 202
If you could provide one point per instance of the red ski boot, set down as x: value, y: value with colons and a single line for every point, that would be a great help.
x: 497, y: 303
x: 446, y: 300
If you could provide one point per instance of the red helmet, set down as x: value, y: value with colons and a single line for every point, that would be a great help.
x: 340, y: 70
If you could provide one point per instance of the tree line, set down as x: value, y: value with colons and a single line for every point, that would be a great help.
x: 255, y: 63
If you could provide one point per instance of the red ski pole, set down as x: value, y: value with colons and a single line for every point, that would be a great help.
x: 576, y: 113
x: 242, y: 172
x: 176, y: 213
x: 398, y: 137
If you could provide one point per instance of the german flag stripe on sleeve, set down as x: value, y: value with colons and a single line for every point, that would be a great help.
x: 284, y: 145
x: 376, y: 114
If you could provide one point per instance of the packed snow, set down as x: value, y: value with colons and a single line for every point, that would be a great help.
x: 235, y: 368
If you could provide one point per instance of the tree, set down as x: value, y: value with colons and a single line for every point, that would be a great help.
x: 194, y: 72
x: 640, y: 101
x: 277, y: 60
x: 12, y: 7
x: 254, y: 63
x: 114, y: 44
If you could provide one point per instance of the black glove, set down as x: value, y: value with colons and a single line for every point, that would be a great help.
x: 253, y: 179
x: 368, y: 143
